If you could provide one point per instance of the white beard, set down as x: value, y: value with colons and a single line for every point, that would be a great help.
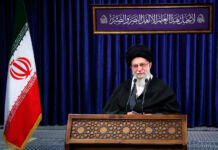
x: 140, y: 83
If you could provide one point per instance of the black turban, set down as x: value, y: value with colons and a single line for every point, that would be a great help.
x: 138, y: 51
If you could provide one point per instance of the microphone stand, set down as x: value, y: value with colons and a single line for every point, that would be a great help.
x: 134, y: 86
x: 147, y: 81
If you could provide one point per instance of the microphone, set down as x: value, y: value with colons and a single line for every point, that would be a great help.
x: 147, y: 81
x: 134, y: 86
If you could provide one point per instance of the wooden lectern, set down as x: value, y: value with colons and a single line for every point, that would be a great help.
x: 95, y: 132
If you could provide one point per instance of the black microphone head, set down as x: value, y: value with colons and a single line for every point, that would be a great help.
x: 146, y: 80
x: 134, y: 80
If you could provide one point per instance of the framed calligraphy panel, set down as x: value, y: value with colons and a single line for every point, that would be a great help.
x: 135, y: 19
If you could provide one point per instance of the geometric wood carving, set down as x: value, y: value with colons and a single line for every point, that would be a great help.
x: 123, y: 129
x: 126, y: 129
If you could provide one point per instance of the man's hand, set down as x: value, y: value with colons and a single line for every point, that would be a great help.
x: 135, y: 113
x: 132, y: 113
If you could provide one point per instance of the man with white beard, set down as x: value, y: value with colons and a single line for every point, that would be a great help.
x: 143, y: 93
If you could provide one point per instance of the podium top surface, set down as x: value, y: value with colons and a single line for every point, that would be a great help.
x: 118, y: 116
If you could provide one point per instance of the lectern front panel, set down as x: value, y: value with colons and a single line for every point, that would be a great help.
x: 126, y: 129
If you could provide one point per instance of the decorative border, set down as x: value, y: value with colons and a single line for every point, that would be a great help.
x: 19, y: 38
x: 19, y: 101
x: 152, y: 19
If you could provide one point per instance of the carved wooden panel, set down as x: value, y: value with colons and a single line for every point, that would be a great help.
x: 83, y: 130
x: 167, y: 129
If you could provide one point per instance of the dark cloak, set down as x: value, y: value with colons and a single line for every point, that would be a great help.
x: 159, y: 98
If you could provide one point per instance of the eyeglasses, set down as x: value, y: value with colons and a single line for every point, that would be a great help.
x: 142, y: 65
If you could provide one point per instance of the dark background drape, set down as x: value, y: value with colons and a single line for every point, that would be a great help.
x: 77, y: 70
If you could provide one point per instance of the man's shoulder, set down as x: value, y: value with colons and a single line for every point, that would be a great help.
x: 123, y: 86
x: 125, y: 83
x: 159, y: 83
x: 128, y: 81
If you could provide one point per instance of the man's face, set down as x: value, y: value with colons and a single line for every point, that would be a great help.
x: 140, y: 67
